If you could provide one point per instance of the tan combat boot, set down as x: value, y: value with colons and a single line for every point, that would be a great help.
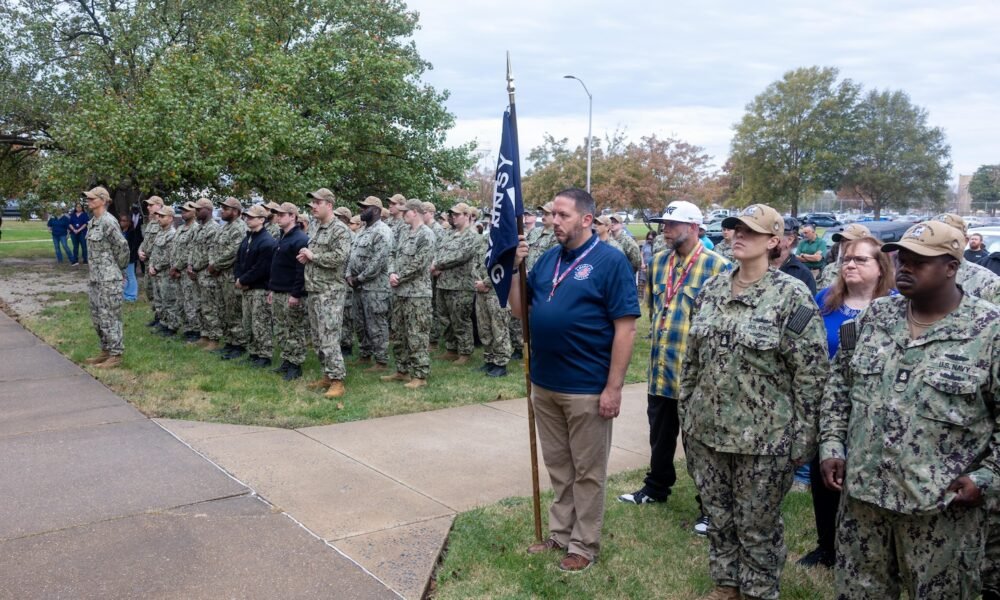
x: 110, y: 363
x: 202, y: 341
x: 336, y: 389
x: 461, y: 360
x: 376, y: 368
x: 723, y: 592
x: 396, y: 377
x: 416, y: 383
x: 211, y: 346
x: 320, y: 383
x: 93, y: 360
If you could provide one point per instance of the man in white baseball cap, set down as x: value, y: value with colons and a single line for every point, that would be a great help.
x: 673, y: 282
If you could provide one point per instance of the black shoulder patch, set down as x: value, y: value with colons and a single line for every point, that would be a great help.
x: 848, y: 335
x: 800, y: 319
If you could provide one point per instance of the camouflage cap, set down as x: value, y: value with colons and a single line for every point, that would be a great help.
x: 385, y: 213
x: 546, y: 208
x: 287, y: 208
x: 98, y: 193
x: 429, y: 207
x: 356, y: 220
x: 272, y: 205
x: 323, y: 194
x: 614, y: 217
x: 232, y: 203
x: 164, y: 210
x: 758, y: 217
x: 854, y: 231
x: 371, y: 201
x: 342, y: 211
x: 930, y: 238
x: 955, y: 221
x: 188, y: 206
x: 603, y: 220
x: 397, y: 199
x: 461, y: 209
x: 154, y: 200
x: 303, y: 219
x: 414, y: 204
x: 204, y: 203
x: 257, y: 210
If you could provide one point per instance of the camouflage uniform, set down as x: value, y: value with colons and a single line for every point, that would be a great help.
x: 180, y: 258
x: 108, y: 252
x: 660, y: 244
x: 411, y: 314
x: 630, y: 247
x: 545, y: 239
x: 455, y: 261
x: 725, y: 250
x: 493, y: 321
x: 222, y: 258
x: 210, y: 300
x: 149, y: 231
x: 828, y: 275
x: 751, y: 385
x: 978, y: 281
x: 369, y: 264
x: 168, y: 309
x: 910, y: 416
x: 273, y: 229
x: 347, y: 330
x: 331, y: 248
x: 258, y: 323
x: 440, y: 319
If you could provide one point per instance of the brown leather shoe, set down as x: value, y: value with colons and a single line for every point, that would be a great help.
x: 110, y: 363
x: 549, y: 544
x: 722, y: 592
x: 93, y: 360
x: 449, y: 355
x: 396, y: 377
x: 461, y: 360
x: 320, y: 383
x: 574, y: 563
x: 416, y: 383
x: 376, y: 368
x: 336, y: 390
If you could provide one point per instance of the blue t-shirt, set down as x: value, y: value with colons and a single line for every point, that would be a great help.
x: 59, y: 225
x: 76, y: 220
x: 835, y: 319
x: 571, y: 335
x: 709, y: 244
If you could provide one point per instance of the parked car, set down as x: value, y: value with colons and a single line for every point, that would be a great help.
x: 991, y: 237
x: 714, y: 231
x: 820, y: 219
x: 884, y: 231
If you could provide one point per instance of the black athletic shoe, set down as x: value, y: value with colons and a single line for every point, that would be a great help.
x: 497, y: 371
x: 640, y: 497
x: 484, y: 368
x: 517, y: 355
x: 293, y: 372
x: 818, y: 557
x: 154, y: 323
x: 285, y: 365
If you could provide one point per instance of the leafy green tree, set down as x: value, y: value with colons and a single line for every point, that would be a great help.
x: 898, y: 159
x: 794, y: 139
x: 985, y: 187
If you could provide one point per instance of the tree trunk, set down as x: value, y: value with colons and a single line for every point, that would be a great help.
x: 122, y: 199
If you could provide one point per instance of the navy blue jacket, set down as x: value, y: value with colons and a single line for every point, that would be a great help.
x: 287, y: 274
x: 797, y: 269
x: 253, y: 260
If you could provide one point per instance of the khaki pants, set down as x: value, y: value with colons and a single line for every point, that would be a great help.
x: 576, y: 442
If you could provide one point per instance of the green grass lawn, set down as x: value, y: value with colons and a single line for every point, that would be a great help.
x: 26, y: 239
x: 168, y: 378
x: 647, y: 552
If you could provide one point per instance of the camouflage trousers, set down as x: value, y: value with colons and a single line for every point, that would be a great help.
x: 257, y: 323
x: 326, y: 314
x: 440, y: 323
x: 494, y: 328
x: 106, y: 314
x: 411, y: 322
x: 990, y: 570
x: 458, y: 308
x: 148, y: 287
x: 347, y: 327
x: 210, y: 305
x: 934, y: 556
x: 289, y: 327
x: 169, y: 312
x: 232, y: 309
x: 190, y: 317
x: 742, y: 496
x: 372, y: 311
x: 516, y: 334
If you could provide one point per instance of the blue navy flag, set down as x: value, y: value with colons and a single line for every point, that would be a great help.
x: 507, y: 207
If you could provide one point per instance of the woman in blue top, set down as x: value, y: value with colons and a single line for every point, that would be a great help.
x: 78, y: 220
x: 865, y: 273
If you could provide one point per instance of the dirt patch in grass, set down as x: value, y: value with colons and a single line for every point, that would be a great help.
x: 28, y: 286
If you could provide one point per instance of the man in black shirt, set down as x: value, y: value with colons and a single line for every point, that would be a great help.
x: 288, y: 291
x: 786, y: 262
x: 252, y: 273
x: 976, y: 250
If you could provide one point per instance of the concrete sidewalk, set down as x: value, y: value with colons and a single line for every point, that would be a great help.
x: 385, y: 491
x: 100, y: 502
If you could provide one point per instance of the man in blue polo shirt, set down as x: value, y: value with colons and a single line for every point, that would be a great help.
x: 582, y: 308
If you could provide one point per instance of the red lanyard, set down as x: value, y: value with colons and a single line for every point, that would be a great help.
x: 557, y: 278
x: 673, y: 289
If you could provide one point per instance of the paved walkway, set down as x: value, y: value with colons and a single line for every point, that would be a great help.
x: 100, y: 502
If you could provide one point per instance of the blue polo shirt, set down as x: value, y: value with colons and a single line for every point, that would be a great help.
x: 571, y: 335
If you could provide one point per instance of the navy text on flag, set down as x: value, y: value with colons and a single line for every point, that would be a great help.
x: 507, y: 207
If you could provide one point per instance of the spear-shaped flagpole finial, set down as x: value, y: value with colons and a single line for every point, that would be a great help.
x: 510, y: 79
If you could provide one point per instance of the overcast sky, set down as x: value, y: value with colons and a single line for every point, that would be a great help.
x: 688, y: 68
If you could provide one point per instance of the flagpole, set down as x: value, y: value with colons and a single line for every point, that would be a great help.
x: 536, y: 499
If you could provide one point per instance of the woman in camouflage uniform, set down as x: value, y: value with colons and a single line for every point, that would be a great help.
x: 751, y: 386
x: 108, y: 251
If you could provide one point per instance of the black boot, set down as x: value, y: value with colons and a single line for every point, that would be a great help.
x: 285, y: 365
x: 293, y: 371
x: 485, y: 367
x: 517, y: 355
x: 191, y: 336
x: 165, y: 331
x: 223, y: 350
x: 346, y: 350
x: 154, y: 323
x: 235, y: 352
x: 497, y: 371
x: 261, y: 362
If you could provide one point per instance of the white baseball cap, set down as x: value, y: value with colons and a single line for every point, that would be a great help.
x: 681, y: 211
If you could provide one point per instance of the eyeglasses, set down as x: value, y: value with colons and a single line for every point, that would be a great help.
x: 858, y: 260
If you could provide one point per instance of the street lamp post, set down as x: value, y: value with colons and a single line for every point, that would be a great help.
x: 590, y: 123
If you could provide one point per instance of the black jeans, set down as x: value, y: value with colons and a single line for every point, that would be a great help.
x: 664, y: 426
x: 825, y: 502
